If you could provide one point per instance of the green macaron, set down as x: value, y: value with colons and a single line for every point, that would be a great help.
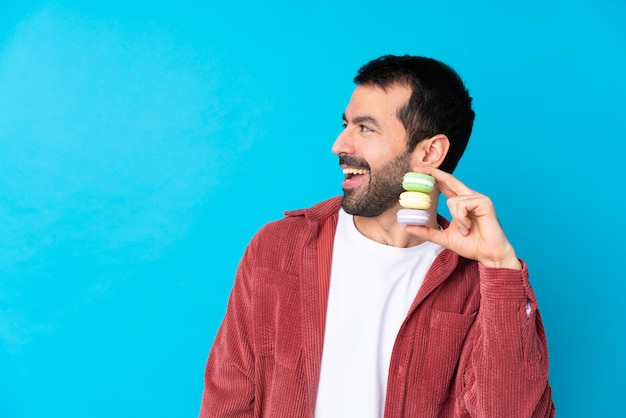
x: 418, y: 182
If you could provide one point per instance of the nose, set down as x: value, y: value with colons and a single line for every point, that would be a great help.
x: 344, y: 143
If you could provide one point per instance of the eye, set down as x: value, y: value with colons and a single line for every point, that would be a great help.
x: 365, y: 128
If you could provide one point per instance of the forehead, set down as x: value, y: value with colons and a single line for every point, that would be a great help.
x: 371, y: 100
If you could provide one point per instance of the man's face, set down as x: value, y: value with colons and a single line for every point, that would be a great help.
x: 372, y: 150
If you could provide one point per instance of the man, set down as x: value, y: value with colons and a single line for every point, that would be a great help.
x: 340, y: 311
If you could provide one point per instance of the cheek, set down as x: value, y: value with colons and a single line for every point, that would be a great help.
x: 381, y: 155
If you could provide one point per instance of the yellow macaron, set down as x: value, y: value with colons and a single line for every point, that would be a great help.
x: 415, y: 200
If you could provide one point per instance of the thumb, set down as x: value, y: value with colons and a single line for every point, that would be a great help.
x: 426, y: 233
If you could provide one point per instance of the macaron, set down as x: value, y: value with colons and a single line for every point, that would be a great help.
x: 418, y: 182
x: 414, y: 200
x: 413, y: 217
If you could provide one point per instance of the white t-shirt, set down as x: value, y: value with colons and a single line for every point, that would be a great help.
x: 372, y: 287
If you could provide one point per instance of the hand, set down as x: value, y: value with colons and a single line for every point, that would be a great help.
x: 474, y: 231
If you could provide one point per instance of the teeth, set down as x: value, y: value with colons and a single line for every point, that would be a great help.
x: 354, y: 171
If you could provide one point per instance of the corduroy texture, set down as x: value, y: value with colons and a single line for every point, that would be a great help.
x: 467, y: 348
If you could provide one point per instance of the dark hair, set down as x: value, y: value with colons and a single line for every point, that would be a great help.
x: 439, y: 103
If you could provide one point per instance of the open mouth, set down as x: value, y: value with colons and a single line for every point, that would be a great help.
x: 352, y: 173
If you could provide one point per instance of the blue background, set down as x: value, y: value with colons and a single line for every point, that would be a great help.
x: 143, y: 143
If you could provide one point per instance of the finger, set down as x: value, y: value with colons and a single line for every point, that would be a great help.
x: 449, y: 185
x: 472, y: 206
x: 461, y: 209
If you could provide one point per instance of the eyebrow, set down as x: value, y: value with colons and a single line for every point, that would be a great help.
x: 363, y: 119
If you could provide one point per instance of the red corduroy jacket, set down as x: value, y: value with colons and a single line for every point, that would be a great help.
x: 467, y: 348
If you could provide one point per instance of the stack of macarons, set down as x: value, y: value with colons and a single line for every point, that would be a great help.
x: 415, y: 200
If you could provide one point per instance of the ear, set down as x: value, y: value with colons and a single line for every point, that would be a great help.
x: 431, y: 151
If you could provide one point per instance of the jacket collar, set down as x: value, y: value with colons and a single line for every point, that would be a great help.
x: 320, y: 211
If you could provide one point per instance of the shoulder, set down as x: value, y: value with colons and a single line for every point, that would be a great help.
x: 297, y: 223
x: 296, y: 228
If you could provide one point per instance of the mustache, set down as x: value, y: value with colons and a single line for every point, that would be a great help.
x: 353, y: 162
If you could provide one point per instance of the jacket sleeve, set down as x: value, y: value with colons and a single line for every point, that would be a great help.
x: 506, y: 367
x: 229, y: 375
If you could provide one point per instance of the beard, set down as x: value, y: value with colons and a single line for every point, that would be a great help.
x: 383, y: 190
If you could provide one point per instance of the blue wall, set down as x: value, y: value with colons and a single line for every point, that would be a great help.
x: 128, y: 133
